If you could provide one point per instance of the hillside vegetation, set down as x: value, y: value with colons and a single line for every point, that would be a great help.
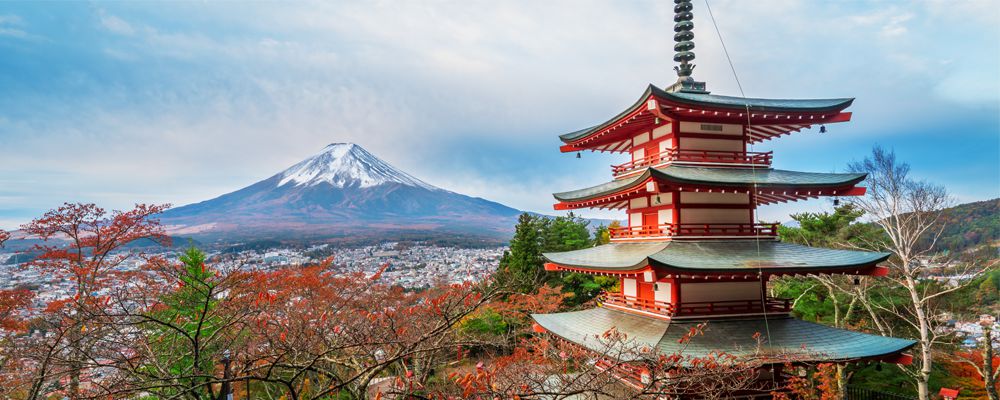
x: 971, y: 225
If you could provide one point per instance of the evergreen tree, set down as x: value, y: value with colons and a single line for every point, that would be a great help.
x: 182, y: 331
x: 838, y: 229
x: 522, y: 265
x: 565, y: 233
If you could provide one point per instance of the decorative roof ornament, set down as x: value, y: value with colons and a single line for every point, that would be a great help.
x: 684, y: 38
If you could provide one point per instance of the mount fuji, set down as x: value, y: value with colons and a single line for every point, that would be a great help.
x: 343, y: 191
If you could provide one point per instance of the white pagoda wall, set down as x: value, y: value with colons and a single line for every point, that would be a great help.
x: 719, y: 291
x: 715, y: 216
x: 715, y: 198
x: 711, y: 144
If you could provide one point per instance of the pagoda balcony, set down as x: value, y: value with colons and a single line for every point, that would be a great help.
x: 700, y: 308
x: 735, y: 158
x: 699, y: 230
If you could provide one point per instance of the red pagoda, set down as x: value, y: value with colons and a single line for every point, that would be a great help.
x: 692, y: 251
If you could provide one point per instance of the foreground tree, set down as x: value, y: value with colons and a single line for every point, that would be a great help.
x: 834, y: 299
x: 13, y: 303
x: 985, y: 363
x: 317, y: 332
x: 616, y: 367
x: 822, y: 383
x: 908, y: 212
x: 177, y: 322
x: 320, y: 333
x: 85, y: 245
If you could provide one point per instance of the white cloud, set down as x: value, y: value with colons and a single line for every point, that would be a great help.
x: 895, y: 26
x: 214, y: 96
x: 10, y: 25
x: 115, y: 24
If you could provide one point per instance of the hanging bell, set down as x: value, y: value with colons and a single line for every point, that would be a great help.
x: 836, y: 202
x: 878, y: 367
x: 822, y: 129
x: 578, y: 155
x: 857, y: 281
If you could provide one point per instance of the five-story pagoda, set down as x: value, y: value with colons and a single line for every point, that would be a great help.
x: 691, y: 251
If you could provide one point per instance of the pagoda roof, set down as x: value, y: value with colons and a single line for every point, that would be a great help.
x: 782, y: 335
x: 715, y: 256
x: 726, y: 177
x: 740, y: 103
x: 710, y: 102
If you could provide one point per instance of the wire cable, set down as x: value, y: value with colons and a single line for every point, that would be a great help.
x: 753, y: 179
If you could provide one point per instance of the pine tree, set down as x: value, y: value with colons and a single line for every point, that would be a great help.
x: 522, y: 265
x: 183, y: 330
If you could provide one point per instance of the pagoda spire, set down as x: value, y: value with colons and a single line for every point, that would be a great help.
x: 684, y: 38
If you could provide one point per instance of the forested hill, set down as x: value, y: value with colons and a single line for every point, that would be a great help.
x: 970, y: 225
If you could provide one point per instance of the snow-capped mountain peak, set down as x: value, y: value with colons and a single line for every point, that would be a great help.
x: 347, y: 164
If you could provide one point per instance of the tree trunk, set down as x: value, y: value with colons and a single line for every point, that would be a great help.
x: 988, y: 377
x: 76, y: 337
x: 841, y: 382
x: 926, y: 358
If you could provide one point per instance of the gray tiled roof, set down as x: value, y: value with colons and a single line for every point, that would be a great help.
x: 739, y: 103
x: 782, y: 335
x: 758, y: 176
x: 586, y: 328
x: 623, y: 256
x: 715, y: 256
x: 741, y: 177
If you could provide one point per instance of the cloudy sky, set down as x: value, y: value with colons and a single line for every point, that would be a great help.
x: 177, y: 102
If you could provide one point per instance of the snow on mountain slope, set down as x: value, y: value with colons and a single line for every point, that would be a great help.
x: 347, y: 164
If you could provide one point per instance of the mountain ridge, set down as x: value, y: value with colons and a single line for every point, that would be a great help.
x: 342, y: 190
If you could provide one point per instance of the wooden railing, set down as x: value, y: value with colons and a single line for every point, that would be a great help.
x: 858, y: 393
x: 620, y: 299
x: 641, y: 231
x: 770, y: 304
x: 705, y: 156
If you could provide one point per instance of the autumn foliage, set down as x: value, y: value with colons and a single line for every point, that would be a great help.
x: 819, y: 383
x: 965, y: 369
x: 163, y: 329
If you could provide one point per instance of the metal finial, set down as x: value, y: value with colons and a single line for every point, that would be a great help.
x: 684, y: 38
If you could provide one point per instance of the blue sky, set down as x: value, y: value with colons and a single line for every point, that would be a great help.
x: 177, y: 102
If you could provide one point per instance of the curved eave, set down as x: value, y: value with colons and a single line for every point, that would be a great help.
x: 571, y: 137
x: 738, y: 257
x: 722, y: 178
x: 786, y: 339
x: 604, y: 189
x: 861, y: 268
x: 624, y: 258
